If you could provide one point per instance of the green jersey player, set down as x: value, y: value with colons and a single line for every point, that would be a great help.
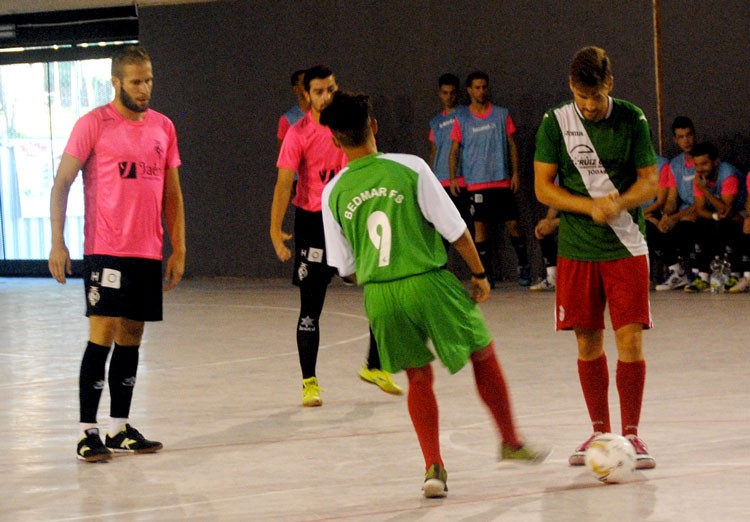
x: 600, y: 150
x: 384, y: 216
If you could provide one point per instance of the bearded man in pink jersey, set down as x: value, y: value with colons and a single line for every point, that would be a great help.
x: 129, y: 158
x: 308, y: 150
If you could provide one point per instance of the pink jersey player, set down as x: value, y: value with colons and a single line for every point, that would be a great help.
x: 118, y: 168
x: 309, y: 151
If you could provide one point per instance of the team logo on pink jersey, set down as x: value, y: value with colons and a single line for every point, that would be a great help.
x: 127, y: 169
x: 158, y: 148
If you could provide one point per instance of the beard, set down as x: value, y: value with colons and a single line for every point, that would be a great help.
x: 130, y: 103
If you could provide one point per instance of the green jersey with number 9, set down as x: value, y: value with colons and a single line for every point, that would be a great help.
x: 383, y: 217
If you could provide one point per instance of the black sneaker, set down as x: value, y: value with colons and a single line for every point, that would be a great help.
x: 90, y: 447
x: 130, y: 440
x: 524, y: 275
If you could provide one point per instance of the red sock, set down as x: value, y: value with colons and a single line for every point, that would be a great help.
x: 631, y: 379
x: 594, y: 377
x: 494, y: 392
x: 423, y: 410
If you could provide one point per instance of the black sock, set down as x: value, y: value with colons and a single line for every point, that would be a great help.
x: 549, y: 251
x: 484, y: 249
x: 519, y: 245
x: 91, y: 381
x: 312, y: 298
x: 373, y: 357
x: 308, y: 342
x: 122, y: 371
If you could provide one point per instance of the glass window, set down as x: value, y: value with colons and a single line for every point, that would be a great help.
x: 39, y: 103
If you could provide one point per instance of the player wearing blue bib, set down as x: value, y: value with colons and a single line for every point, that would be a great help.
x: 384, y: 216
x: 441, y: 126
x: 483, y: 143
x: 296, y: 113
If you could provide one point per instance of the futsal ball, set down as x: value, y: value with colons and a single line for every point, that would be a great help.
x: 611, y: 458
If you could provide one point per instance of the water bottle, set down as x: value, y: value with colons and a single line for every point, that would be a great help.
x: 716, y: 279
x: 726, y: 269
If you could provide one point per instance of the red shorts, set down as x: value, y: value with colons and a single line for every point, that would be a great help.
x: 585, y: 287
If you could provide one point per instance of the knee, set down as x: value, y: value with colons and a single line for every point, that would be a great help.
x: 629, y: 343
x: 590, y: 344
x: 129, y: 333
x: 102, y: 330
x: 307, y: 323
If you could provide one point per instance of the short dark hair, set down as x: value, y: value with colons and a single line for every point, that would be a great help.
x: 682, y: 122
x: 591, y: 67
x: 317, y: 72
x: 128, y: 55
x: 477, y: 75
x: 348, y: 117
x: 295, y: 76
x: 705, y: 148
x: 449, y: 79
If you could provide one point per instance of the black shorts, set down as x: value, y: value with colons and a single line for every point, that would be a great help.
x: 310, y: 265
x: 128, y: 287
x: 495, y: 205
x: 462, y: 202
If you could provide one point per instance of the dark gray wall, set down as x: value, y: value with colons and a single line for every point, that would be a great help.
x: 222, y: 74
x: 705, y: 60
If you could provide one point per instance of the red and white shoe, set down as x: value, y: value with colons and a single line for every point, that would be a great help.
x: 642, y: 458
x: 578, y: 458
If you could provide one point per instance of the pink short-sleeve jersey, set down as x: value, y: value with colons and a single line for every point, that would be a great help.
x: 667, y: 177
x: 730, y: 187
x: 124, y: 164
x: 309, y: 151
x: 664, y: 177
x: 283, y: 127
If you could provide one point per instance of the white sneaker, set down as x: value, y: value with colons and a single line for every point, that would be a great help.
x: 673, y: 282
x: 543, y: 286
x: 743, y: 285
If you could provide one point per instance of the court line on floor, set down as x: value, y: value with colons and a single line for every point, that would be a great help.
x: 380, y: 513
x: 326, y: 346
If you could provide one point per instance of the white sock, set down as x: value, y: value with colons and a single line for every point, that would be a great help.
x: 746, y: 275
x: 116, y: 425
x: 551, y: 274
x: 704, y: 276
x: 87, y: 426
x: 676, y: 268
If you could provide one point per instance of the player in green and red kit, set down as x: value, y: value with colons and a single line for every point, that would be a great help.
x: 385, y: 216
x: 600, y: 149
